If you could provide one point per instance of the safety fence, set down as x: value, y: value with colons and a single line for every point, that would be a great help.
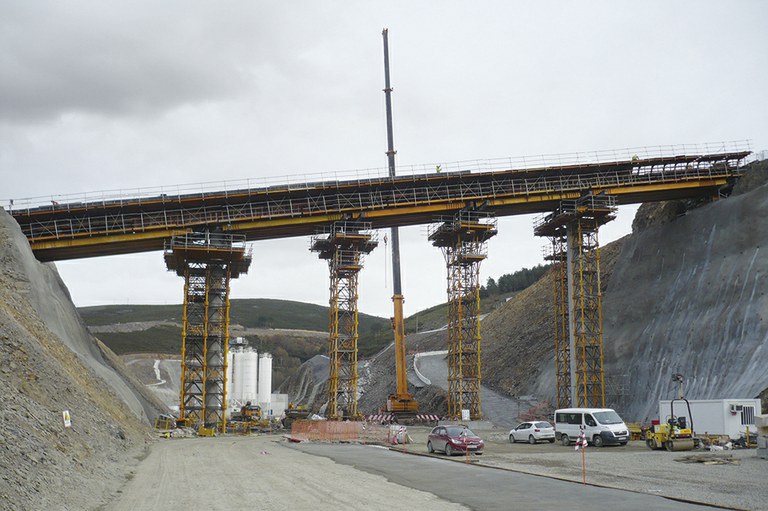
x: 333, y: 431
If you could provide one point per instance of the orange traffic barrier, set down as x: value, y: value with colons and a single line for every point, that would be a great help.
x: 333, y: 431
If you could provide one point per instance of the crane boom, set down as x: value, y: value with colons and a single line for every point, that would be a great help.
x: 401, y: 401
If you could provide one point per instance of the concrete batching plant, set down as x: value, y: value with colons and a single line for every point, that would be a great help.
x: 249, y: 376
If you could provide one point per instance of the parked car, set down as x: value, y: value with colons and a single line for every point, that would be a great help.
x: 601, y: 426
x: 532, y: 432
x: 454, y: 439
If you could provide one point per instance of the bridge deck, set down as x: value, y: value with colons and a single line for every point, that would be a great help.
x: 126, y: 225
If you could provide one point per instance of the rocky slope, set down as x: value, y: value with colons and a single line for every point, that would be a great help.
x: 685, y: 293
x: 50, y: 363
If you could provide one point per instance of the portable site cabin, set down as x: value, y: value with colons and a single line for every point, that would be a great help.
x: 716, y: 416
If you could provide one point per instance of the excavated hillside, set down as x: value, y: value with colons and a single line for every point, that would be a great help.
x: 685, y: 293
x: 50, y: 363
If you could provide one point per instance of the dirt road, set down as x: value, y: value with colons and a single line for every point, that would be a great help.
x: 266, y: 472
x: 257, y: 472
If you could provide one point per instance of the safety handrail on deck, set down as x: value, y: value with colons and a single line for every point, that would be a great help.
x: 305, y: 181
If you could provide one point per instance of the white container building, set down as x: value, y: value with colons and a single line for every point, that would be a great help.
x: 715, y: 416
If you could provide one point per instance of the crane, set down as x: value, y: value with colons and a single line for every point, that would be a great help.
x: 401, y: 402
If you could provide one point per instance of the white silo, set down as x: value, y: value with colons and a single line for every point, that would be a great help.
x: 230, y: 386
x: 249, y: 375
x: 237, y: 375
x: 265, y: 381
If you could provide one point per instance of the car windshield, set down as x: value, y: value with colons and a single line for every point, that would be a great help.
x: 459, y: 431
x: 609, y: 417
x: 543, y: 425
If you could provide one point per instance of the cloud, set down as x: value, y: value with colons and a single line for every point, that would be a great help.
x: 129, y: 58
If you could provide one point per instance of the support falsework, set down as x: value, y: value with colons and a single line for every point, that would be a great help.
x: 578, y: 321
x: 557, y: 254
x: 343, y: 245
x: 207, y: 261
x: 463, y: 240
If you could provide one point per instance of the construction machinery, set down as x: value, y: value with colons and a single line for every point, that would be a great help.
x: 676, y: 434
x: 294, y: 412
x: 401, y: 402
x: 250, y: 417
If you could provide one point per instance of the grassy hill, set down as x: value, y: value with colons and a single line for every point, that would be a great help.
x: 249, y: 313
x: 437, y: 316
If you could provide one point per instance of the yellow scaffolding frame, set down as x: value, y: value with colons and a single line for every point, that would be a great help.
x: 578, y: 323
x: 343, y: 245
x: 589, y: 375
x: 207, y: 261
x: 463, y: 241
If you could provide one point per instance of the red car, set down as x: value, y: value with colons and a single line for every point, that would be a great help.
x: 454, y: 439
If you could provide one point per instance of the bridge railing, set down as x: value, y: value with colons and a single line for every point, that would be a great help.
x: 334, y: 199
x: 312, y: 180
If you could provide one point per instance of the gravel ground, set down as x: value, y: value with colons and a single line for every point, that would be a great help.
x: 634, y: 468
x: 258, y: 472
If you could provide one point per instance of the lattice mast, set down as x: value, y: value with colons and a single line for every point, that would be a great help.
x: 463, y: 241
x: 207, y: 261
x: 581, y: 365
x: 344, y: 247
x: 401, y: 401
x: 558, y: 255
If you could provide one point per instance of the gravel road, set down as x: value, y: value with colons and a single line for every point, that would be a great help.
x: 633, y: 467
x: 258, y: 472
x: 264, y: 472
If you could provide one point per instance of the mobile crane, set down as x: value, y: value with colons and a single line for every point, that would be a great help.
x: 401, y: 402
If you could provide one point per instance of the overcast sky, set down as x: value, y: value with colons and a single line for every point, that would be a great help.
x: 113, y: 95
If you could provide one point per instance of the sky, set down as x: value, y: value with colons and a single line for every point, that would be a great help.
x: 125, y: 95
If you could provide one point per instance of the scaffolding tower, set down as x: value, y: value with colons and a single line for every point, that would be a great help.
x: 463, y: 240
x: 557, y: 254
x: 572, y: 230
x: 343, y: 245
x: 207, y: 261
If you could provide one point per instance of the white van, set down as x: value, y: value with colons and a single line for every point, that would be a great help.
x: 602, y: 426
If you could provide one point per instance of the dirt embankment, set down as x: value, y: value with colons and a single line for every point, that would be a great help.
x: 48, y: 364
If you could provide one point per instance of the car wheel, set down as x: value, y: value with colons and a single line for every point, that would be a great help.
x: 448, y: 450
x: 565, y: 440
x: 430, y: 449
x: 531, y: 440
x: 511, y: 439
x: 597, y: 441
x: 551, y: 440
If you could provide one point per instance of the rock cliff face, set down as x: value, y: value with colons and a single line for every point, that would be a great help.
x: 689, y: 297
x: 50, y: 363
x: 685, y: 294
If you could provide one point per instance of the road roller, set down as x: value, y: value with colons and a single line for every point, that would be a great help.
x: 676, y: 434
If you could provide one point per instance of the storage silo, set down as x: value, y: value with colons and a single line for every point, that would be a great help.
x: 230, y: 383
x: 265, y: 381
x: 249, y: 375
x: 237, y: 375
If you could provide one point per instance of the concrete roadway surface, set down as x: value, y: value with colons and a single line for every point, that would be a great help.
x: 266, y: 472
x: 487, y: 488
